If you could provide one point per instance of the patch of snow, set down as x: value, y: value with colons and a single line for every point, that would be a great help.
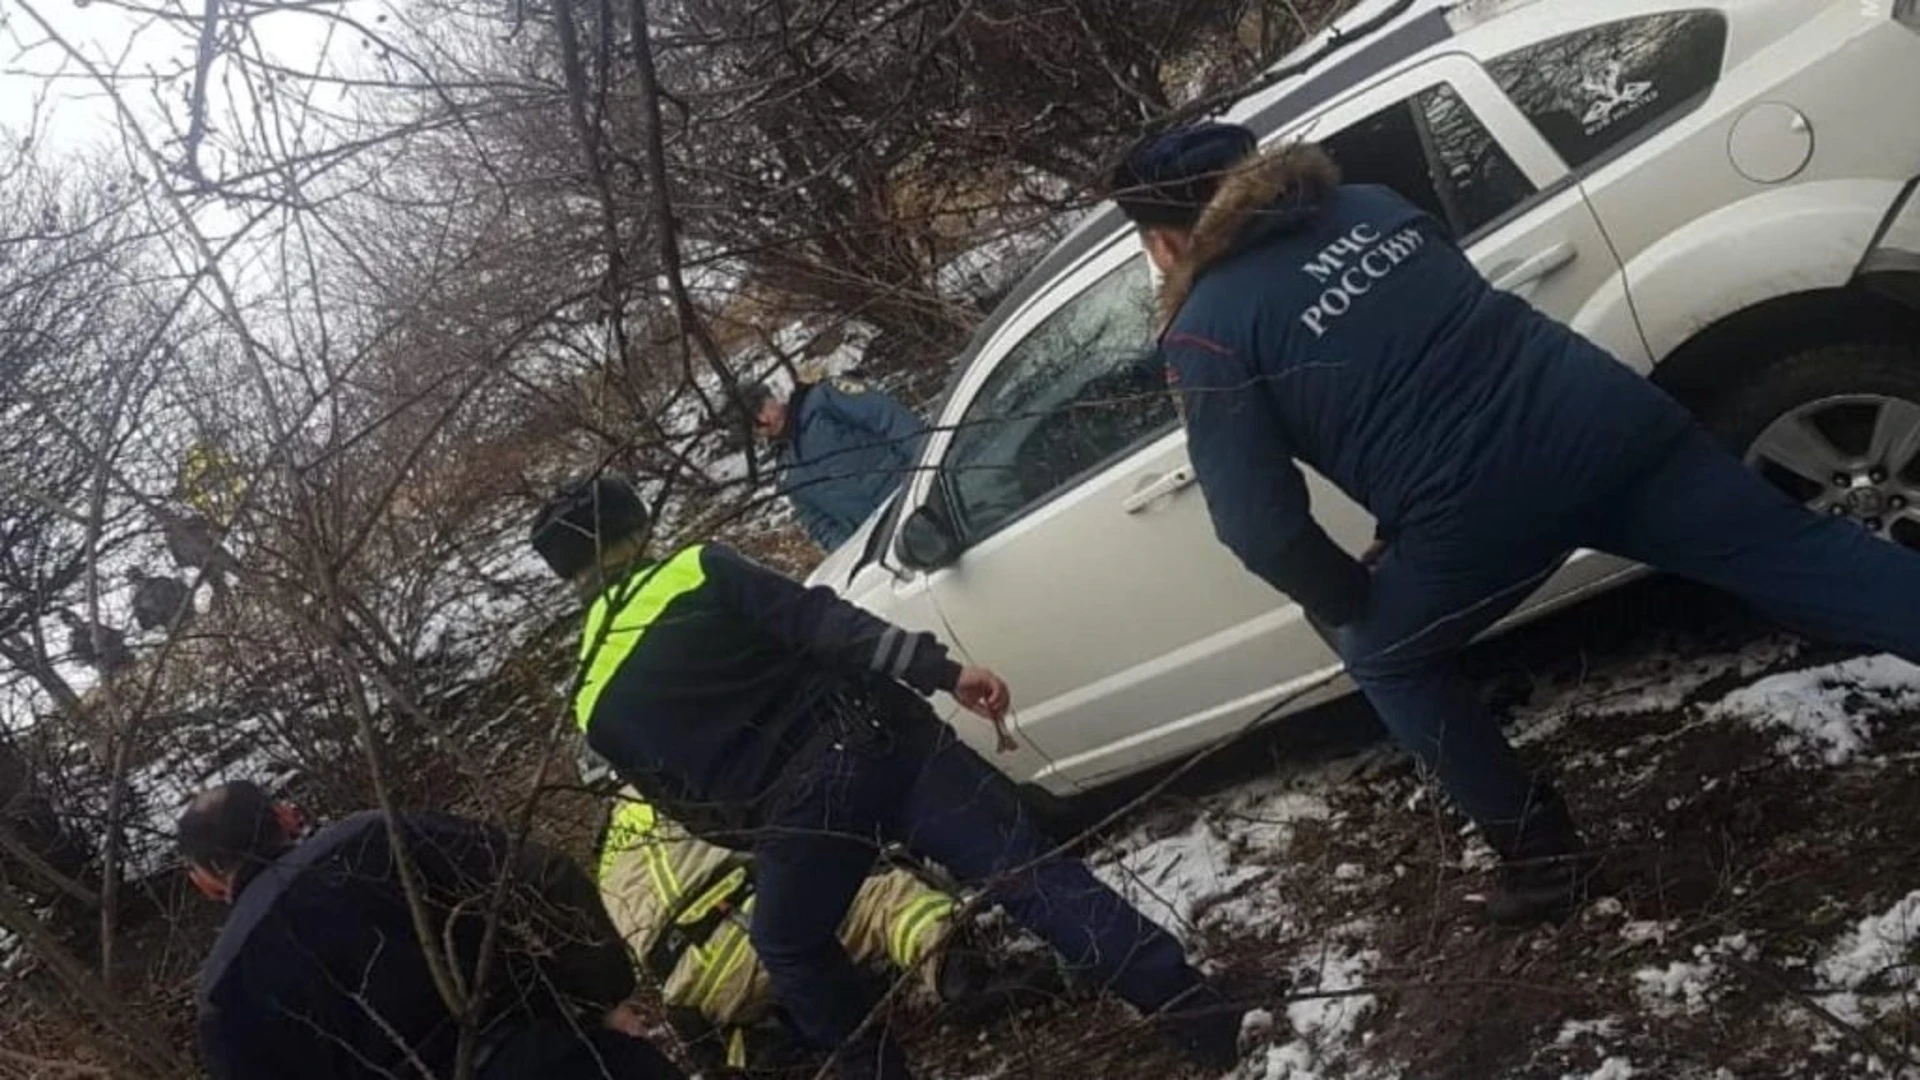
x: 1477, y: 857
x: 1689, y: 986
x: 995, y: 266
x: 1324, y: 1028
x: 1877, y: 951
x: 1614, y: 1068
x: 1682, y: 987
x: 1170, y: 877
x: 1574, y: 1030
x: 1213, y: 862
x: 1825, y: 711
x: 1656, y: 682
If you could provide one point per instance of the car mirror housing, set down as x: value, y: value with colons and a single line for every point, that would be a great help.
x: 926, y: 542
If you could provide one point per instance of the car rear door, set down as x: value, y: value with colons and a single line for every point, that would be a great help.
x: 1445, y: 136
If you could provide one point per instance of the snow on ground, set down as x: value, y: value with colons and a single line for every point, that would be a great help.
x: 1871, y: 971
x: 1203, y: 872
x: 1218, y: 868
x: 1614, y: 1068
x: 995, y: 266
x: 1690, y: 987
x: 1660, y: 680
x: 483, y: 605
x: 1323, y: 1028
x: 1169, y: 877
x: 1825, y: 713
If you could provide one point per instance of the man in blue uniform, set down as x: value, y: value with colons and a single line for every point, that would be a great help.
x: 1340, y: 327
x: 766, y: 716
x: 320, y: 970
x: 843, y: 449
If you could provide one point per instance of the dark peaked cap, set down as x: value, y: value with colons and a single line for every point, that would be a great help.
x: 1168, y: 178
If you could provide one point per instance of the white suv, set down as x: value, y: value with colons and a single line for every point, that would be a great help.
x: 1720, y: 192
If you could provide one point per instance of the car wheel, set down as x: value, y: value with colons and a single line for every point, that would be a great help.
x: 1838, y: 428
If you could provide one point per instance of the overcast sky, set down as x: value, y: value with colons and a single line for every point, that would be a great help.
x: 139, y: 44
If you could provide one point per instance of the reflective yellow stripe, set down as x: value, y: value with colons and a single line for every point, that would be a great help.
x: 910, y: 939
x: 718, y: 894
x: 632, y: 825
x: 632, y: 830
x: 729, y: 947
x: 210, y: 481
x: 723, y: 945
x: 737, y: 1049
x: 641, y: 599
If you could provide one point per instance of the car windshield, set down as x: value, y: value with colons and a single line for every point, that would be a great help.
x: 1079, y: 387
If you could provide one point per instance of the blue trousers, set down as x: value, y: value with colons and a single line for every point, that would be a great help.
x: 1698, y: 513
x: 906, y: 778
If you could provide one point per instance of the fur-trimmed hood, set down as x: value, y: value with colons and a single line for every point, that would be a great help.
x: 1275, y: 189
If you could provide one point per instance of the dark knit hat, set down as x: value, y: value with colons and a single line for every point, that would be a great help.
x: 1168, y: 178
x: 584, y: 519
x: 752, y: 398
x: 230, y: 826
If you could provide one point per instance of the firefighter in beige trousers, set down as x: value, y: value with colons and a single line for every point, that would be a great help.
x: 683, y: 906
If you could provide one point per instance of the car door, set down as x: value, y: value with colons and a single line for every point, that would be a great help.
x: 1451, y: 141
x: 1090, y: 578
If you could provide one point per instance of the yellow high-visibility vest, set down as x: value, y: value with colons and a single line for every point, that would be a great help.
x: 619, y: 618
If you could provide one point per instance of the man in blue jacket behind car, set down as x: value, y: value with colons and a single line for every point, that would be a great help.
x: 1307, y: 322
x: 843, y: 449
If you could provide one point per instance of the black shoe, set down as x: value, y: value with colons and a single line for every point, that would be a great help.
x: 973, y: 987
x: 1546, y: 871
x: 873, y: 1057
x: 1205, y: 1028
x: 1543, y: 890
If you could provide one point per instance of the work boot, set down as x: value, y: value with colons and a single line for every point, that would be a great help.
x: 873, y: 1056
x: 1546, y: 870
x: 972, y: 986
x: 1204, y: 1026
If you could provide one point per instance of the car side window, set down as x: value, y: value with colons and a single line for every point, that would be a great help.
x: 1593, y: 90
x: 1080, y: 388
x: 1438, y: 155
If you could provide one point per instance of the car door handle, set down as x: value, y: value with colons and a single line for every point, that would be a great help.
x: 1158, y: 488
x: 1535, y: 267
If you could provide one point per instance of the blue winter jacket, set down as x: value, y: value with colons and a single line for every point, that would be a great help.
x: 1340, y: 327
x: 847, y: 448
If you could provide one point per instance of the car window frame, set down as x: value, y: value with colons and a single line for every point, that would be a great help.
x: 1107, y: 258
x: 976, y: 369
x: 1525, y: 146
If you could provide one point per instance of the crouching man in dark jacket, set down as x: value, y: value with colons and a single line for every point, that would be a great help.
x: 320, y: 970
x: 843, y: 450
x: 1339, y: 327
x: 768, y: 716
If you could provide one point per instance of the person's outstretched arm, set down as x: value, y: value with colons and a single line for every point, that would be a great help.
x: 1255, y: 493
x: 818, y: 622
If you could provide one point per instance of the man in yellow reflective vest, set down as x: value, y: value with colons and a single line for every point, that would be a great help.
x: 772, y: 718
x: 683, y: 905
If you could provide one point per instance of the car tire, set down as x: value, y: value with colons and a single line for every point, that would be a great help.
x: 1821, y: 410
